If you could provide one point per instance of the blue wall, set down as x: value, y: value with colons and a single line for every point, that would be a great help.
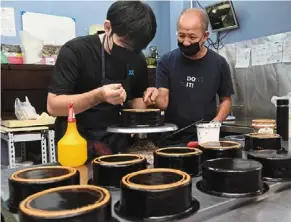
x: 94, y: 12
x: 87, y: 13
x: 257, y: 19
x: 176, y: 7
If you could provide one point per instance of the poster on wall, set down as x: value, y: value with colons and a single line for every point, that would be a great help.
x: 51, y: 29
x: 243, y: 56
x: 259, y: 55
x: 8, y: 22
x: 287, y: 51
x: 274, y: 52
x: 94, y: 28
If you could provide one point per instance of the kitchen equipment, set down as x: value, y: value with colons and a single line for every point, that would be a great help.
x: 142, y: 145
x: 261, y: 141
x: 276, y: 164
x: 68, y: 203
x: 274, y: 101
x: 181, y: 158
x: 141, y: 117
x: 156, y: 195
x: 116, y: 166
x: 72, y: 147
x: 220, y: 149
x: 234, y: 178
x: 208, y: 131
x: 28, y: 181
x: 237, y: 138
x: 283, y: 118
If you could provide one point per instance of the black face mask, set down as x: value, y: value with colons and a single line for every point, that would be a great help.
x: 122, y: 53
x: 190, y: 50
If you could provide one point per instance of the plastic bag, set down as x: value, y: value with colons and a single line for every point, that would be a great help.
x: 24, y: 110
x: 31, y: 48
x: 275, y: 98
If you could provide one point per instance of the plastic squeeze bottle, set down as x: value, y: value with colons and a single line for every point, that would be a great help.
x: 72, y: 147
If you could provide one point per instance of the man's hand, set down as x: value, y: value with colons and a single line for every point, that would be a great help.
x: 224, y: 108
x: 150, y: 96
x: 113, y: 94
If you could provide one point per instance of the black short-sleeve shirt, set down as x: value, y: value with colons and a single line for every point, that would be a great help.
x: 193, y: 85
x: 78, y: 69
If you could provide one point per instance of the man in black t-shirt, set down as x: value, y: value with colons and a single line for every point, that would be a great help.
x: 100, y: 73
x: 189, y: 78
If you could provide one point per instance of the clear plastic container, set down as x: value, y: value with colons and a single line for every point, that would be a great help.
x: 208, y: 131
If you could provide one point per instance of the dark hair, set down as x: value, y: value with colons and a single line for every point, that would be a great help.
x: 134, y: 21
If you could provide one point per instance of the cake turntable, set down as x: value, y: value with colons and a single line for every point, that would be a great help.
x: 142, y: 122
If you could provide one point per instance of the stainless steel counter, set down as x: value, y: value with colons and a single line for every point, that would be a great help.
x: 276, y: 209
x: 212, y: 208
x: 241, y: 126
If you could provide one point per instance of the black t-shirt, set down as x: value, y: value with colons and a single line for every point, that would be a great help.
x: 193, y: 85
x: 78, y: 69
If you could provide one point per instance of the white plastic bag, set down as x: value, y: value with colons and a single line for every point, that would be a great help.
x: 31, y: 48
x: 275, y: 98
x: 24, y: 110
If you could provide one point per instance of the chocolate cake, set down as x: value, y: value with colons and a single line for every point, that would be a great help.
x: 181, y: 158
x: 116, y: 166
x: 156, y: 195
x: 141, y: 117
x: 220, y: 149
x: 232, y: 177
x: 66, y: 204
x: 261, y: 141
x: 276, y: 164
x: 32, y: 180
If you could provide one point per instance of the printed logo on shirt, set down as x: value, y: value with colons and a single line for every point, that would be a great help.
x: 191, y: 81
x: 131, y: 72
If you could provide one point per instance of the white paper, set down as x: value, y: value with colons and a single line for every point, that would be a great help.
x: 8, y: 22
x: 286, y: 51
x: 243, y: 56
x: 274, y: 52
x: 51, y: 29
x: 259, y: 55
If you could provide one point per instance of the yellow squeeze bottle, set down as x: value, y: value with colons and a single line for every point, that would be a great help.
x: 72, y: 147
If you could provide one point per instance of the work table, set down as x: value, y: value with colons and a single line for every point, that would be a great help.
x: 269, y: 207
x: 241, y: 126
